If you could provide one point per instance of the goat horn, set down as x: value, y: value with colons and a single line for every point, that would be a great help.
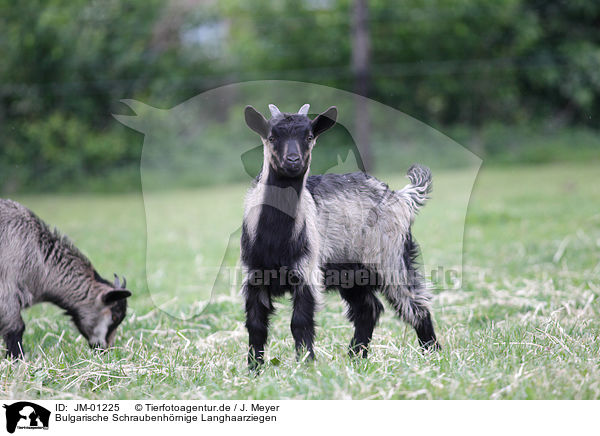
x: 275, y: 112
x: 117, y: 285
x: 304, y: 109
x: 124, y: 283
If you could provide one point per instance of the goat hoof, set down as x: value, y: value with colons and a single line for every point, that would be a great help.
x: 15, y: 357
x: 255, y: 368
x: 357, y: 350
x: 431, y: 346
x: 254, y: 364
x: 304, y: 356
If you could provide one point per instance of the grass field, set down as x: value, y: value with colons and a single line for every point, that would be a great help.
x: 524, y: 325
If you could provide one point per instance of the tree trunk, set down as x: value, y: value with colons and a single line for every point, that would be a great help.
x: 360, y: 66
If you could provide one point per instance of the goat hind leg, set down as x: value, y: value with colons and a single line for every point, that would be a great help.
x: 426, y: 334
x: 364, y: 309
x: 413, y: 307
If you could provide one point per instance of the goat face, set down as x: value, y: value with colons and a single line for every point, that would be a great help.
x: 99, y: 319
x: 288, y: 139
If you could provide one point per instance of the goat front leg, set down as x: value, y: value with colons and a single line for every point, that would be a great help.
x: 258, y: 309
x: 303, y: 324
x: 13, y: 338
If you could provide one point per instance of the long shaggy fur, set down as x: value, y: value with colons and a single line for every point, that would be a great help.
x: 361, y: 221
x: 38, y: 264
x: 328, y: 227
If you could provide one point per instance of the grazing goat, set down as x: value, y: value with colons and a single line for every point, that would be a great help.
x: 37, y: 265
x: 303, y: 234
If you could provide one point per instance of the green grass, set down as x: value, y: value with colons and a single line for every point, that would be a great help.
x: 525, y: 323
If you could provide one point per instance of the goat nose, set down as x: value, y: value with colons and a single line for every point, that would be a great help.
x: 293, y: 158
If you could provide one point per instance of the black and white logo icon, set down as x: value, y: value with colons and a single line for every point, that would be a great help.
x: 26, y: 415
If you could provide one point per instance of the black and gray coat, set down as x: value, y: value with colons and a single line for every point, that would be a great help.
x: 38, y: 264
x: 306, y: 233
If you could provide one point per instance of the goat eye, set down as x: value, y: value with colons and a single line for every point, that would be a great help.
x: 311, y: 137
x: 271, y: 139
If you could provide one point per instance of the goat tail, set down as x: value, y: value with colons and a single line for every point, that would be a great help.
x: 416, y: 193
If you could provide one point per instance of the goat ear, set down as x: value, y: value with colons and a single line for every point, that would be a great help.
x: 115, y: 295
x: 324, y: 121
x: 256, y: 121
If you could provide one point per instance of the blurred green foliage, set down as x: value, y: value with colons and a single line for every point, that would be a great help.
x: 515, y: 80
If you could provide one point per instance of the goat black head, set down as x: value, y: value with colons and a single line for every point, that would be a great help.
x: 289, y: 138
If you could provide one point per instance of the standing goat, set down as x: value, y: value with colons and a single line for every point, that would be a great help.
x: 37, y: 265
x: 302, y: 234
